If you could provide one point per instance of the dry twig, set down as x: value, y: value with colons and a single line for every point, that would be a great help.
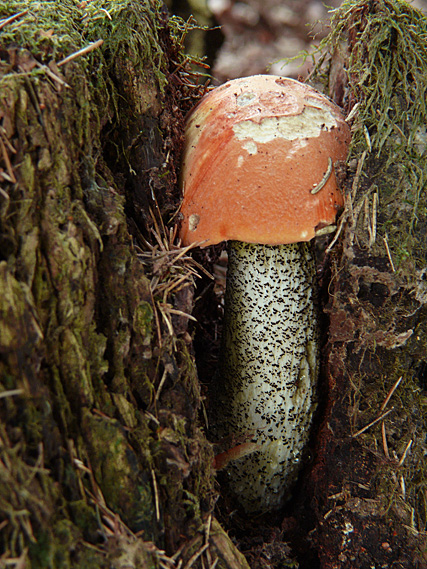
x: 13, y: 18
x: 81, y: 52
x: 390, y: 393
x: 372, y: 423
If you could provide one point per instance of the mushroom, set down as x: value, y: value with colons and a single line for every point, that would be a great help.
x: 259, y: 172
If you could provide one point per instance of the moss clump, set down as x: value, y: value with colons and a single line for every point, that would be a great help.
x: 383, y: 44
x: 374, y: 63
x: 126, y: 488
x: 88, y: 149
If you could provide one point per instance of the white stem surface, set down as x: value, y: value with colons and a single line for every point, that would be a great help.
x: 266, y: 388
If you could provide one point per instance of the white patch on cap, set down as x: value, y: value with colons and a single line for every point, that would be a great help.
x: 308, y: 124
x: 193, y: 221
x: 245, y: 98
x: 240, y: 161
x: 250, y: 146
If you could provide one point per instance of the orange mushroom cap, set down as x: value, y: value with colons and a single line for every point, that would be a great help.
x: 256, y: 148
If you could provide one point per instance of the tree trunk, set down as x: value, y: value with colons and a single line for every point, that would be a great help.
x: 103, y: 462
x: 368, y: 484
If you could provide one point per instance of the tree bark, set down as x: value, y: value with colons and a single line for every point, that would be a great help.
x: 103, y: 462
x: 367, y: 486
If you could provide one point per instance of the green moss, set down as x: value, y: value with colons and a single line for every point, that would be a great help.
x: 55, y: 30
x: 385, y: 73
x: 143, y: 320
x: 188, y: 370
x: 58, y: 549
x: 48, y: 27
x: 85, y: 518
x: 376, y: 58
x: 126, y: 486
x: 399, y: 478
x: 77, y: 321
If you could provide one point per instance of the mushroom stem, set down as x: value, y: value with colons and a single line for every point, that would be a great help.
x: 268, y: 367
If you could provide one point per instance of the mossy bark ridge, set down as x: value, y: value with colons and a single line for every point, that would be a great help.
x: 267, y: 376
x: 102, y: 460
x: 369, y: 474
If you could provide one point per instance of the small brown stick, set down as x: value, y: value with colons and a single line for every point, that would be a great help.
x: 52, y: 75
x: 403, y: 487
x: 156, y: 495
x: 107, y: 13
x: 337, y: 234
x: 17, y: 562
x: 388, y: 253
x: 384, y: 437
x: 179, y: 65
x: 166, y: 318
x: 372, y: 423
x: 7, y: 162
x: 83, y: 51
x: 161, y: 383
x: 405, y: 452
x: 352, y: 113
x: 196, y: 555
x: 11, y: 19
x: 371, y: 223
x: 192, y: 74
x: 367, y: 138
x: 79, y: 467
x: 390, y: 393
x: 368, y: 221
x: 7, y: 178
x: 6, y: 140
x: 207, y: 538
x: 356, y: 180
x: 156, y: 318
x: 343, y: 220
x: 181, y: 313
x: 373, y: 236
x: 11, y: 393
x: 187, y: 24
x: 208, y: 528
